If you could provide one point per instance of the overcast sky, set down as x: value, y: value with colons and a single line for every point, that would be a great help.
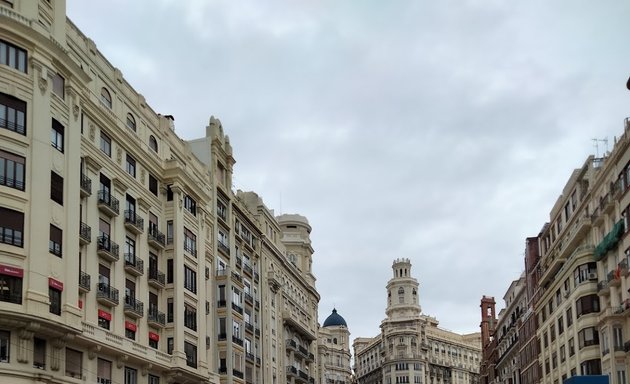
x: 440, y: 131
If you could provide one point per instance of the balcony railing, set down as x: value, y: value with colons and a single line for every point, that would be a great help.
x: 237, y: 340
x: 134, y: 307
x: 13, y: 126
x: 107, y: 293
x: 156, y: 277
x: 247, y: 269
x: 237, y: 308
x: 134, y: 264
x: 134, y: 222
x: 85, y: 233
x: 221, y: 303
x: 155, y: 237
x: 156, y: 317
x: 249, y: 327
x: 84, y: 281
x: 107, y: 203
x: 190, y: 249
x: 86, y: 185
x: 248, y: 298
x: 224, y: 248
x: 107, y: 248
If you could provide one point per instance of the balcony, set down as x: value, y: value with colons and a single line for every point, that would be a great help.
x: 292, y: 371
x: 223, y: 370
x: 221, y: 303
x: 614, y: 278
x: 222, y: 274
x: 239, y: 262
x: 247, y: 269
x: 249, y: 327
x: 249, y: 356
x: 157, y: 279
x: 222, y: 336
x: 237, y: 373
x: 133, y: 222
x: 609, y: 241
x: 223, y: 248
x: 603, y: 288
x: 106, y: 294
x: 107, y: 249
x: 156, y: 318
x: 237, y: 278
x: 256, y: 276
x: 86, y: 185
x: 156, y: 238
x: 134, y: 265
x: 237, y: 308
x: 85, y: 234
x: 249, y: 299
x: 237, y: 340
x: 133, y: 308
x: 107, y: 203
x: 606, y: 203
x: 190, y: 248
x: 291, y: 345
x: 84, y: 281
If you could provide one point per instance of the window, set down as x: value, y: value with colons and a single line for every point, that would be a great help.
x: 106, y: 144
x: 106, y: 98
x: 169, y: 271
x: 169, y: 232
x: 56, y: 188
x: 621, y: 376
x: 591, y: 367
x: 618, y: 338
x: 169, y: 310
x: 11, y: 284
x: 104, y: 318
x: 190, y: 242
x: 56, y: 135
x: 54, y: 295
x: 153, y: 185
x: 588, y: 336
x: 569, y: 317
x: 13, y: 56
x: 74, y: 363
x: 584, y: 273
x: 190, y: 204
x: 153, y: 343
x: 58, y: 85
x: 130, y: 333
x: 170, y: 345
x: 153, y: 144
x: 54, y: 245
x: 130, y: 166
x: 191, y: 354
x: 131, y: 376
x: 104, y: 371
x: 12, y: 113
x: 5, y: 346
x: 39, y: 353
x: 154, y: 379
x: 12, y: 170
x: 563, y: 354
x: 587, y: 304
x: 190, y: 279
x: 190, y: 317
x: 560, y: 325
x: 131, y: 122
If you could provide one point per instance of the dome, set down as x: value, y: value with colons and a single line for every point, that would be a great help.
x: 334, y: 320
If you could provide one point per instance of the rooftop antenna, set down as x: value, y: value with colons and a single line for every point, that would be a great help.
x: 596, y: 145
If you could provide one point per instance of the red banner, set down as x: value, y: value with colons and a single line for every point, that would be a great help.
x: 104, y: 315
x: 130, y: 326
x: 80, y: 304
x: 11, y: 271
x: 154, y: 336
x: 56, y: 284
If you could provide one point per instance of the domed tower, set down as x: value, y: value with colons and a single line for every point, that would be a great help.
x: 296, y: 238
x: 334, y: 350
x: 402, y: 292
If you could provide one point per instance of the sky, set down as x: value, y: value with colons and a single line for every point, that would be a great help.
x: 439, y: 131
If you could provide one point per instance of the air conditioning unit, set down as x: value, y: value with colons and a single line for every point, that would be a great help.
x: 592, y: 276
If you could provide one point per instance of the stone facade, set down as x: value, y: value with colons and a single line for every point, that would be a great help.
x: 411, y: 347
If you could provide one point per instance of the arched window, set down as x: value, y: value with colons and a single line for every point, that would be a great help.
x: 131, y: 122
x: 401, y: 295
x: 401, y: 291
x: 153, y: 144
x: 106, y: 98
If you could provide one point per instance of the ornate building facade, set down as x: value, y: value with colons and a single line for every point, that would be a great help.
x: 334, y: 351
x: 411, y: 347
x: 156, y: 271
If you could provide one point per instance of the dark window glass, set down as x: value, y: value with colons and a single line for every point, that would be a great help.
x: 13, y: 56
x: 190, y: 279
x: 191, y: 354
x: 106, y: 144
x: 58, y: 85
x: 54, y: 295
x: 56, y: 135
x: 11, y: 291
x: 12, y: 114
x: 5, y: 346
x: 153, y: 185
x: 131, y: 122
x: 106, y: 98
x: 11, y: 227
x: 153, y: 144
x: 169, y: 271
x: 56, y: 188
x: 190, y: 317
x: 12, y: 170
x: 39, y: 353
x: 131, y: 165
x: 54, y: 245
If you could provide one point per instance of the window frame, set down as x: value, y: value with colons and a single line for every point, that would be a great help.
x: 54, y: 297
x: 105, y: 144
x: 12, y: 107
x: 14, y: 166
x: 130, y: 165
x: 57, y: 131
x: 55, y: 243
x: 106, y: 98
x: 56, y: 188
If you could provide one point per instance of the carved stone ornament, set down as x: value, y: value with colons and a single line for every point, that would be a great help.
x: 121, y: 360
x: 43, y: 84
x: 92, y: 132
x: 145, y: 369
x: 75, y: 112
x: 25, y: 341
x: 143, y: 174
x: 93, y: 352
x: 119, y: 155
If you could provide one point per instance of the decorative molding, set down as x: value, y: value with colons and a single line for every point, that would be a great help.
x: 93, y: 352
x: 121, y: 360
x: 119, y: 155
x: 92, y: 132
x: 145, y: 369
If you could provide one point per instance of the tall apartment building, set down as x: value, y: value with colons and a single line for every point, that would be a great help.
x: 155, y: 270
x: 411, y: 347
x: 529, y: 343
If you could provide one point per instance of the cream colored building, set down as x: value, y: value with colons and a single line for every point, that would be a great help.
x: 155, y: 270
x: 411, y: 347
x: 506, y: 333
x: 334, y: 351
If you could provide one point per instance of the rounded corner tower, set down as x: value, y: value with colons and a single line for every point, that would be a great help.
x: 402, y: 292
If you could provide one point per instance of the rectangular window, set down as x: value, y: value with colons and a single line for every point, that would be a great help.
x: 191, y: 354
x: 56, y: 188
x: 12, y: 113
x: 54, y: 245
x: 74, y: 363
x: 130, y: 165
x: 39, y: 353
x: 130, y: 334
x: 190, y: 204
x: 169, y: 310
x: 54, y: 296
x: 154, y: 379
x: 5, y: 346
x: 58, y: 85
x: 153, y: 185
x: 106, y: 144
x: 131, y: 376
x: 190, y: 242
x: 169, y: 271
x: 190, y: 279
x: 190, y: 317
x: 56, y: 135
x: 569, y: 317
x: 170, y: 345
x: 12, y: 170
x: 11, y: 283
x: 560, y: 325
x: 104, y: 371
x: 13, y: 56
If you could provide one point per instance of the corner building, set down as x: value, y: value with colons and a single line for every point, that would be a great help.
x: 411, y: 347
x: 155, y: 271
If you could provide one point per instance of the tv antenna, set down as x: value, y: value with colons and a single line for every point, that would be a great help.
x: 596, y: 143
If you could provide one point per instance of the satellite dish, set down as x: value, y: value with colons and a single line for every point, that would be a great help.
x: 628, y: 83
